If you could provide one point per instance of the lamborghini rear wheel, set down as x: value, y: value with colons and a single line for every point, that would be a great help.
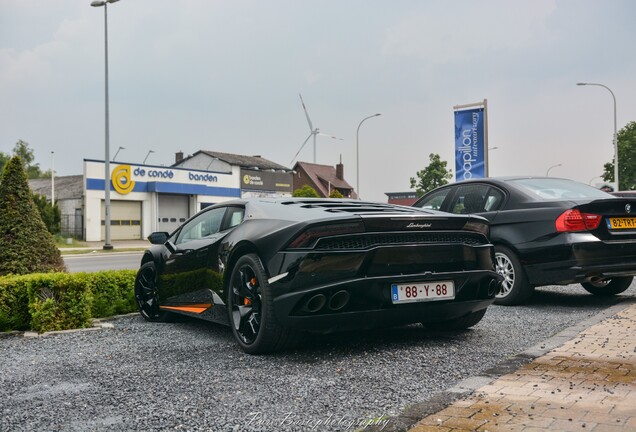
x: 251, y: 309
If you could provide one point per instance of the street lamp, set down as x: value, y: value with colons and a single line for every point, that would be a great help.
x: 117, y: 152
x: 615, y: 140
x: 547, y: 174
x: 52, y: 179
x: 358, y: 152
x: 107, y: 244
x: 148, y: 154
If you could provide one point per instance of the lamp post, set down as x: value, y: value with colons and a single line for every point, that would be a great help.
x: 615, y: 139
x: 117, y: 152
x: 547, y: 173
x: 52, y: 179
x: 147, y: 154
x: 107, y: 244
x: 358, y: 151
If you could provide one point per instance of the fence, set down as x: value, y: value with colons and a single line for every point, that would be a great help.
x: 72, y: 225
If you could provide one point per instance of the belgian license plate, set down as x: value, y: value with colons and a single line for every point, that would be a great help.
x: 621, y: 223
x: 422, y: 291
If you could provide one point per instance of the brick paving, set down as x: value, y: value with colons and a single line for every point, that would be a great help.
x: 586, y: 384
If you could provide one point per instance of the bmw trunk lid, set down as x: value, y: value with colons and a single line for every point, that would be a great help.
x: 618, y: 218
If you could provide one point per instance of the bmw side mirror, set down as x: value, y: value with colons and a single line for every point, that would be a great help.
x: 158, y: 237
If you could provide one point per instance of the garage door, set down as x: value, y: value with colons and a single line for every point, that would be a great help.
x: 173, y: 211
x: 125, y: 220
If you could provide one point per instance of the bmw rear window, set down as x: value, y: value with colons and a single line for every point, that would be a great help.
x: 556, y: 189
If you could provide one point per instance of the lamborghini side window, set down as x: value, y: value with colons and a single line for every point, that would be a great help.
x: 202, y: 226
x: 234, y: 217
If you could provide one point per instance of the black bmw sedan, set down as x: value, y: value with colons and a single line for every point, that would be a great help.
x: 272, y: 268
x: 549, y: 231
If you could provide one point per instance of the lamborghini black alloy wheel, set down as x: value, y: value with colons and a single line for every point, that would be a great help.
x: 146, y: 293
x: 246, y: 303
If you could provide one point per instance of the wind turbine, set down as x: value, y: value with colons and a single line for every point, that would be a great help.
x: 312, y: 132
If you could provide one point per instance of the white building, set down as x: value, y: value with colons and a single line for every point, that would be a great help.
x: 149, y: 198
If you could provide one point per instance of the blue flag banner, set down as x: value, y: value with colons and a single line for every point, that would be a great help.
x: 470, y: 151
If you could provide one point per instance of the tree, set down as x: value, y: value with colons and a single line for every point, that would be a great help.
x: 50, y: 214
x: 306, y: 192
x: 4, y: 158
x: 335, y: 193
x: 431, y: 177
x: 33, y: 170
x: 26, y: 244
x: 626, y: 159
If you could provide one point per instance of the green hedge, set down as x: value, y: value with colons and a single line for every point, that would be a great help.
x: 60, y: 301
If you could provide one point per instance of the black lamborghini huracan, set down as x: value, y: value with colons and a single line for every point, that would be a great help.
x: 271, y: 268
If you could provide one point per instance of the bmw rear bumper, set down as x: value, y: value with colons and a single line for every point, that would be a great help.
x: 582, y: 258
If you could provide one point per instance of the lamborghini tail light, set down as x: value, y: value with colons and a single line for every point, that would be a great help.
x: 306, y: 238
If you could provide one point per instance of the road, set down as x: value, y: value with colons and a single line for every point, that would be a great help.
x: 190, y: 375
x: 92, y: 262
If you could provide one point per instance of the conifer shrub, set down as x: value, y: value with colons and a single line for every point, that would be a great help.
x: 25, y: 243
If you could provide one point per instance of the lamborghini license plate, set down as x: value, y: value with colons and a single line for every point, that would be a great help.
x: 422, y: 291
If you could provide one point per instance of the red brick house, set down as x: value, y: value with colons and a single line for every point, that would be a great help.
x: 323, y: 179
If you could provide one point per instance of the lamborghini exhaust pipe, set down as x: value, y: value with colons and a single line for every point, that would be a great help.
x: 315, y: 303
x: 339, y: 300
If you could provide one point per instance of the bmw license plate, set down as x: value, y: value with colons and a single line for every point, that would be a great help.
x: 422, y: 291
x: 621, y: 223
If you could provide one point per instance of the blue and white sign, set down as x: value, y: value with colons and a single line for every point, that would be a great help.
x: 470, y: 144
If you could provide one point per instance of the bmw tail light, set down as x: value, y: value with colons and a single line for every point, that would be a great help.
x: 573, y: 220
x: 306, y: 238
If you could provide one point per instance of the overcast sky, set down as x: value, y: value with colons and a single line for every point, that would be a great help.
x: 225, y: 76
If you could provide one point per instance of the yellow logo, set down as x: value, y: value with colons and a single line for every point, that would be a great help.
x: 246, y: 179
x: 122, y: 179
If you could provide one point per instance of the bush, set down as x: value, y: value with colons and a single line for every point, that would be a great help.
x: 113, y: 293
x: 14, y: 303
x: 306, y: 192
x: 60, y: 301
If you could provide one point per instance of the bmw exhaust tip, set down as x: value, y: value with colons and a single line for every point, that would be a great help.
x: 315, y: 303
x: 339, y: 300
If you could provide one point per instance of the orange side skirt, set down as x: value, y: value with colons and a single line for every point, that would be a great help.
x: 193, y: 308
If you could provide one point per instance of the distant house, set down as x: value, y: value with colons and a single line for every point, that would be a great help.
x: 323, y: 179
x: 69, y: 196
x: 259, y: 177
x: 402, y: 198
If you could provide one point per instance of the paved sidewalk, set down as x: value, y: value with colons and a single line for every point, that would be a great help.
x: 587, y: 383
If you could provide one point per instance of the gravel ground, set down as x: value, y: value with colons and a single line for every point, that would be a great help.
x: 190, y: 375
